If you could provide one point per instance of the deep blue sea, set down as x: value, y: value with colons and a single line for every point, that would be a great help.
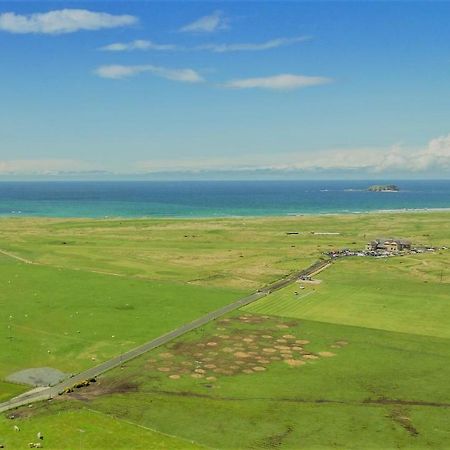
x: 214, y: 198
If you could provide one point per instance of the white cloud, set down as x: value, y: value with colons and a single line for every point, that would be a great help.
x: 42, y: 166
x: 62, y: 21
x: 118, y: 72
x: 277, y: 82
x: 433, y: 158
x: 207, y: 24
x: 268, y: 45
x: 138, y: 44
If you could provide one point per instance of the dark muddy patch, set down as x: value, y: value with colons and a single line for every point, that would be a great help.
x: 400, y: 417
x: 103, y: 387
x: 275, y: 440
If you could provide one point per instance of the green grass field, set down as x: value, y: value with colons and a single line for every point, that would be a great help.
x: 357, y: 361
x: 71, y: 320
x: 389, y: 294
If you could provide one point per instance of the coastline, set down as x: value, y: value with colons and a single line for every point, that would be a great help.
x: 230, y: 216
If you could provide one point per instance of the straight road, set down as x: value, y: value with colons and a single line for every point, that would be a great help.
x: 117, y: 361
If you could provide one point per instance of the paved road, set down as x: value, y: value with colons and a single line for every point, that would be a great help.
x: 93, y: 372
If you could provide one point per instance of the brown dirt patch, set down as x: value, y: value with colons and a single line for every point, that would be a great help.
x: 164, y: 369
x: 174, y: 377
x: 310, y: 357
x: 241, y: 355
x: 327, y: 354
x: 281, y: 347
x: 302, y: 341
x: 294, y: 362
x: 259, y: 369
x: 268, y: 350
x: 196, y: 375
x: 166, y: 355
x: 211, y: 378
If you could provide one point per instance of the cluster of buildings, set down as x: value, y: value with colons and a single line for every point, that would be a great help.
x: 376, y: 247
x: 388, y: 245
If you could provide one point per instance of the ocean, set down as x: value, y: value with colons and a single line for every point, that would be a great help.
x: 214, y: 198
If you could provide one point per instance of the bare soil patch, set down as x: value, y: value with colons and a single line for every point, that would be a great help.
x: 247, y: 344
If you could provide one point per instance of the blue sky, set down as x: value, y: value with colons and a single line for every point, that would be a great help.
x: 301, y: 89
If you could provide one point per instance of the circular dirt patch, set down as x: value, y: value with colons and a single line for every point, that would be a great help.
x: 164, y: 369
x: 211, y: 344
x: 327, y: 354
x: 282, y: 326
x: 268, y: 350
x: 211, y: 378
x: 259, y: 369
x: 196, y: 375
x: 210, y: 366
x: 289, y: 336
x: 241, y: 355
x: 174, y: 377
x: 166, y: 355
x: 294, y: 362
x: 310, y: 357
x: 247, y: 371
x: 302, y: 341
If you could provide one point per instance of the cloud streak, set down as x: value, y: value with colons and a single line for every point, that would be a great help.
x: 251, y: 47
x: 139, y: 44
x: 118, y: 72
x: 207, y: 24
x: 42, y: 166
x: 283, y: 82
x: 62, y: 21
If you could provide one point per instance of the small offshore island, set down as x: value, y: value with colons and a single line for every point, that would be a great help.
x: 383, y: 188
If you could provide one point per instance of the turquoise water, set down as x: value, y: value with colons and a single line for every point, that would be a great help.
x: 214, y: 198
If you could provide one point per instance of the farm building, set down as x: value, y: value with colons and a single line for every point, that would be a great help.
x: 389, y: 245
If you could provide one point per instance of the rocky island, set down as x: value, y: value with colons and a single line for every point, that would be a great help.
x: 383, y: 188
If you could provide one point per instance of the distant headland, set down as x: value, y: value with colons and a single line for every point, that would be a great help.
x: 383, y: 188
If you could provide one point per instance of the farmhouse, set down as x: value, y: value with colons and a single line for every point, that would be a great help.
x: 389, y: 245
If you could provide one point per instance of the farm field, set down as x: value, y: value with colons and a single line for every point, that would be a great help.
x: 70, y: 320
x: 285, y: 383
x: 359, y: 360
x: 87, y: 429
x: 389, y: 294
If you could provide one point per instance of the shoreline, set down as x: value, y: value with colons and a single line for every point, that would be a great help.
x: 209, y: 217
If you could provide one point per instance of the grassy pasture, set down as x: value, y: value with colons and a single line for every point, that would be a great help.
x: 386, y: 388
x: 237, y: 253
x: 375, y: 392
x: 82, y: 428
x: 403, y: 294
x: 71, y: 320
